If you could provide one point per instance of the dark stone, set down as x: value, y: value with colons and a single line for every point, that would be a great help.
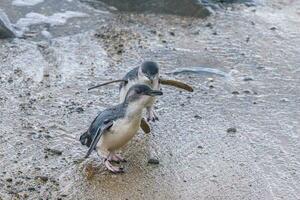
x: 79, y: 110
x: 200, y: 147
x: 153, y: 32
x: 42, y: 178
x: 176, y: 7
x: 231, y: 130
x: 209, y: 25
x: 153, y: 161
x: 235, y: 92
x: 248, y: 79
x: 53, y: 151
x: 172, y: 33
x: 6, y: 30
x: 273, y: 28
x: 9, y: 180
x: 31, y: 189
x: 246, y: 92
x: 197, y: 117
x: 10, y: 80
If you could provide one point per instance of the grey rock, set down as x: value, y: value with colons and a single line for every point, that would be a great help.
x: 6, y: 29
x: 9, y: 179
x: 176, y: 7
x: 248, y: 79
x: 153, y: 161
x: 231, y: 130
x: 42, y: 178
x: 53, y: 151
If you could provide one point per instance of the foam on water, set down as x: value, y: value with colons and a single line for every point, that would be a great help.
x: 26, y: 2
x: 53, y: 20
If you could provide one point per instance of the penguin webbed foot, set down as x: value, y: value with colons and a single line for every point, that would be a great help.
x: 116, y: 158
x: 112, y: 168
x: 151, y: 115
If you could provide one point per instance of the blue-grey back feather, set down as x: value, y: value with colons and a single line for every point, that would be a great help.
x: 132, y: 74
x: 104, y: 117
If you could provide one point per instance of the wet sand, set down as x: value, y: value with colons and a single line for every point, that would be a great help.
x: 235, y: 137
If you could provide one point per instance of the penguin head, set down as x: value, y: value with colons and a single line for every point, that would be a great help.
x: 141, y: 94
x: 148, y: 71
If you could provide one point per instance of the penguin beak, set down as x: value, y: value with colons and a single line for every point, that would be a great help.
x: 153, y: 93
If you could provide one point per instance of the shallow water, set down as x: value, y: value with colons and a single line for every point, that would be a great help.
x: 45, y: 105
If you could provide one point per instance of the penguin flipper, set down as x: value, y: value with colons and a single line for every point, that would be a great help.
x: 145, y: 126
x: 177, y: 84
x: 109, y: 82
x: 97, y: 137
x: 84, y: 138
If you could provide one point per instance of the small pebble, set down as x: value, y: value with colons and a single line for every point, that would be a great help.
x: 210, y: 79
x: 209, y: 25
x: 235, y: 92
x: 153, y: 161
x: 231, y: 130
x: 79, y: 110
x: 197, y: 117
x: 31, y: 189
x: 172, y: 33
x: 54, y: 151
x: 153, y: 31
x: 42, y: 178
x: 273, y: 28
x: 284, y: 100
x: 248, y: 79
x: 9, y: 179
x: 246, y: 92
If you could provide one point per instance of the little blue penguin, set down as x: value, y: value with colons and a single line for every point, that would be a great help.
x: 116, y: 126
x: 147, y: 73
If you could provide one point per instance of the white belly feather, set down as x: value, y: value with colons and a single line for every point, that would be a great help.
x: 119, y: 134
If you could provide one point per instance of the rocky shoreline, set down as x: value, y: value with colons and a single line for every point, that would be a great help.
x: 235, y: 137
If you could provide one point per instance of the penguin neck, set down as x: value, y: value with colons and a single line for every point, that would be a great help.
x: 133, y: 110
x: 142, y: 79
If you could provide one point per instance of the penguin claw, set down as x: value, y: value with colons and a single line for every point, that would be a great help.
x: 117, y: 158
x: 153, y: 119
x: 112, y: 168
